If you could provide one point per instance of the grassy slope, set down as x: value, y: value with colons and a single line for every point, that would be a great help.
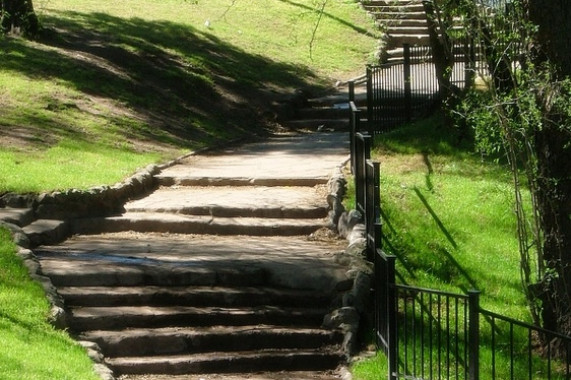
x: 112, y: 86
x: 448, y: 217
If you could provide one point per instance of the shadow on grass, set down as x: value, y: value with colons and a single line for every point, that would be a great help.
x: 189, y: 84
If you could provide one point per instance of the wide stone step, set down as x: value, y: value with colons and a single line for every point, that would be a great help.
x: 250, y: 201
x: 395, y: 8
x: 197, y: 224
x: 116, y: 270
x: 177, y: 340
x: 198, y: 180
x: 380, y: 3
x: 122, y: 317
x: 229, y: 362
x: 18, y: 216
x: 416, y: 15
x: 191, y: 295
x: 328, y: 374
x: 131, y: 259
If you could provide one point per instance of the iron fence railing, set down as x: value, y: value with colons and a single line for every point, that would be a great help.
x: 401, y: 91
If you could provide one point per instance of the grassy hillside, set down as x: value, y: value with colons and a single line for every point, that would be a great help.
x: 448, y: 217
x: 112, y: 86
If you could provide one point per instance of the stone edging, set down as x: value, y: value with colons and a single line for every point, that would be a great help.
x: 354, y: 303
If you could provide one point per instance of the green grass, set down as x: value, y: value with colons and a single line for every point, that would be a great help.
x: 448, y: 217
x: 142, y: 81
x: 31, y: 348
x: 110, y: 87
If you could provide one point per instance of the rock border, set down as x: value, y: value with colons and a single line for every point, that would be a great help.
x: 354, y: 304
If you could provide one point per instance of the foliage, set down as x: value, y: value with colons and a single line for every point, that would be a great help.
x: 508, y: 113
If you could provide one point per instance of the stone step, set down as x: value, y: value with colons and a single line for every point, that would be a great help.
x: 222, y: 362
x: 46, y: 231
x: 409, y: 22
x: 382, y: 16
x: 380, y: 3
x: 398, y: 39
x: 192, y: 296
x: 248, y: 201
x: 395, y: 8
x: 197, y: 224
x: 328, y: 374
x: 319, y: 124
x: 198, y: 180
x: 339, y: 111
x: 407, y: 29
x: 80, y: 270
x: 122, y: 317
x: 192, y: 340
x: 133, y: 259
x: 18, y: 216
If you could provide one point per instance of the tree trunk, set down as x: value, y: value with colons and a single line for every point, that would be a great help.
x: 441, y: 49
x: 553, y: 148
x: 18, y: 16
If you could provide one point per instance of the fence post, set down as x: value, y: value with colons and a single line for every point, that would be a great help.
x: 392, y: 352
x: 351, y: 91
x: 377, y: 199
x: 474, y: 334
x: 407, y: 84
x: 355, y: 118
x: 370, y: 102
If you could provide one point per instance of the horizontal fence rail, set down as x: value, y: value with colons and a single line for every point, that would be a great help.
x: 516, y: 350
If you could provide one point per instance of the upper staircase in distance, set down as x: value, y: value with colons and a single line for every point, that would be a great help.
x: 404, y: 22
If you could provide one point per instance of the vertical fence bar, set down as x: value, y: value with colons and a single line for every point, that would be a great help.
x: 474, y: 334
x: 407, y: 83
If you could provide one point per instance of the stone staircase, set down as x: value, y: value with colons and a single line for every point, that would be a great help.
x: 404, y: 22
x: 211, y: 273
x: 194, y: 316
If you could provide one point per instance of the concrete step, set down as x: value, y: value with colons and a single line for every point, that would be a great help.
x: 221, y: 362
x: 123, y: 317
x: 192, y: 296
x: 192, y: 340
x: 246, y: 201
x: 197, y: 224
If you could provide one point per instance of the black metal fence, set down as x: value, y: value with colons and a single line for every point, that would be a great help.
x: 401, y: 91
x: 430, y: 334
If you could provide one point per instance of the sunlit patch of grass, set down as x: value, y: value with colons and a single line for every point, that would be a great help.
x: 31, y: 347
